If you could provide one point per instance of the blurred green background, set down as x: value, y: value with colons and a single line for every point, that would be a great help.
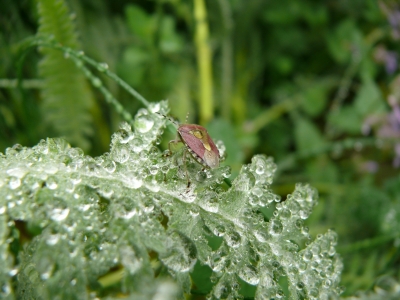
x: 315, y: 84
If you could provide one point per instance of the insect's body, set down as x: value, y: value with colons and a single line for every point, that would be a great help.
x: 199, y: 144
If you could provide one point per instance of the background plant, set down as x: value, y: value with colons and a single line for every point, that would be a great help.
x: 314, y: 85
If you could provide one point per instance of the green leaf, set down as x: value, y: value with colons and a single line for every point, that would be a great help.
x: 346, y: 119
x: 171, y: 41
x: 133, y: 65
x: 67, y: 98
x: 141, y: 24
x: 307, y: 135
x: 345, y: 39
x: 369, y: 99
x: 314, y: 96
x: 128, y: 223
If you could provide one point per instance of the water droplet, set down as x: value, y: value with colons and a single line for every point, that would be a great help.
x: 218, y: 260
x: 304, y: 214
x: 233, y: 239
x: 52, y: 182
x: 126, y: 208
x: 154, y: 107
x: 122, y: 136
x: 313, y: 293
x: 285, y: 214
x: 194, y: 211
x: 307, y: 255
x: 133, y: 180
x: 96, y: 82
x: 105, y: 190
x: 120, y: 154
x: 260, y: 169
x: 219, y: 230
x: 102, y: 67
x: 75, y: 152
x: 201, y: 176
x: 129, y: 259
x: 136, y: 145
x: 275, y: 227
x: 109, y: 166
x: 226, y: 171
x: 59, y: 214
x: 302, y: 266
x: 153, y: 170
x: 280, y: 294
x: 144, y: 123
x: 17, y: 172
x: 300, y: 285
x: 253, y: 200
x: 262, y: 236
x: 221, y: 290
x: 14, y: 182
x: 257, y: 191
x: 53, y: 239
x: 293, y: 270
x: 249, y: 274
x: 181, y: 253
x: 327, y: 283
x: 45, y: 267
x: 245, y: 181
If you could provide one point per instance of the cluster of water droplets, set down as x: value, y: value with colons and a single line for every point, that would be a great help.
x: 252, y: 250
x: 84, y: 216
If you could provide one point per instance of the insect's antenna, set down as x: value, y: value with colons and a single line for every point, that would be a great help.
x: 187, y: 117
x: 169, y: 119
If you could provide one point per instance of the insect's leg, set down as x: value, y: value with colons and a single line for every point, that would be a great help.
x: 175, y: 141
x: 184, y: 165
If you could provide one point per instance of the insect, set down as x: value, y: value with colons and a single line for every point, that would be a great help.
x: 198, y: 143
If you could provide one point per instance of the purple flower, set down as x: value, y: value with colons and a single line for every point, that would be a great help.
x: 392, y: 13
x: 388, y: 58
x: 387, y: 126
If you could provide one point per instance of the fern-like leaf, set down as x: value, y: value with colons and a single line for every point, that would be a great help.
x: 131, y: 211
x: 66, y: 95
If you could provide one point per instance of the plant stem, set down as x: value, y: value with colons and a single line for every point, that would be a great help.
x: 204, y: 62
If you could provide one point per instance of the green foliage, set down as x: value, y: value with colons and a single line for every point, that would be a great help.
x: 314, y: 84
x: 86, y: 216
x: 65, y: 91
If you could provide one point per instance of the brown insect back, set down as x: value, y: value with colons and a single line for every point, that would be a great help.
x: 199, y: 144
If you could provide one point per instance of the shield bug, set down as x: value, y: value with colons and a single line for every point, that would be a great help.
x: 198, y: 143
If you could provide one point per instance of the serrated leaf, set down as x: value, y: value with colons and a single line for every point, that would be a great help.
x: 67, y: 98
x: 132, y: 212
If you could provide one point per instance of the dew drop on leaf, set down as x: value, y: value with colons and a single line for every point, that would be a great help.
x: 109, y: 166
x: 129, y: 259
x: 233, y: 239
x: 14, y: 182
x: 59, y: 214
x: 245, y: 181
x: 120, y: 154
x: 144, y: 123
x: 249, y: 274
x: 51, y: 182
x: 275, y: 227
x: 181, y: 253
x: 136, y: 145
